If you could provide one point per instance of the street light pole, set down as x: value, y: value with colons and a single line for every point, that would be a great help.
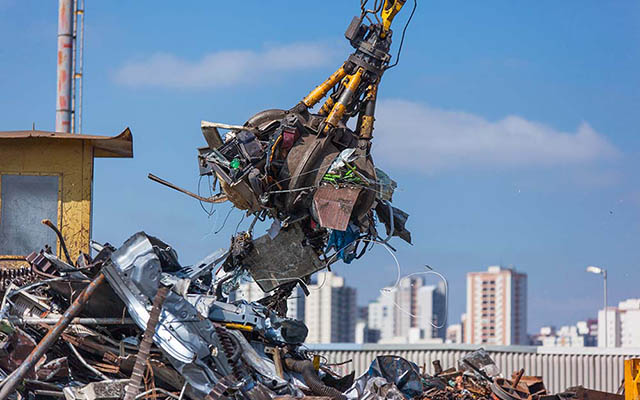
x: 606, y: 328
x: 603, y: 272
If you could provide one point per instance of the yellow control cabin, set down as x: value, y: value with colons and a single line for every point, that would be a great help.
x: 49, y: 175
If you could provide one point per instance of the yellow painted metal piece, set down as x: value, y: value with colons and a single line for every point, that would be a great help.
x: 327, y: 106
x: 366, y: 127
x: 351, y: 83
x: 632, y: 379
x: 320, y: 91
x: 233, y: 325
x: 316, y: 362
x: 372, y: 92
x: 70, y: 157
x: 354, y: 80
x: 366, y: 122
x: 390, y: 9
x: 335, y: 116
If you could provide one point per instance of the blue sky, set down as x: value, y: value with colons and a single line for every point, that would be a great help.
x: 511, y: 127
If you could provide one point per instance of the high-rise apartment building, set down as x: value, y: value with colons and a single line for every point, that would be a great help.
x: 496, y: 307
x: 430, y: 309
x: 330, y: 310
x: 622, y: 325
x: 381, y: 313
x: 409, y: 312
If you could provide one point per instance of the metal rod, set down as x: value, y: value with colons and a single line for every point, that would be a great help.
x: 60, y: 238
x: 277, y: 361
x: 64, y: 72
x: 518, y: 377
x: 606, y: 327
x: 157, y: 390
x: 8, y: 377
x: 208, y: 124
x: 184, y: 388
x: 76, y: 321
x: 51, y: 337
x: 321, y: 90
x: 73, y: 68
x: 218, y: 198
x: 133, y: 387
x: 79, y: 72
x: 338, y: 110
x: 85, y: 363
x: 49, y: 393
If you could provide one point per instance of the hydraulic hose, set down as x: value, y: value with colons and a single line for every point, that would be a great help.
x: 311, y: 379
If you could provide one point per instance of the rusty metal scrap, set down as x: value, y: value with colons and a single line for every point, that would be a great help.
x: 214, y: 349
x: 145, y: 346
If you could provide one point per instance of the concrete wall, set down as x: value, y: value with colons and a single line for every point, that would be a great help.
x: 561, y: 368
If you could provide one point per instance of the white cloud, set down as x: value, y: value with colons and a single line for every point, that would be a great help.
x: 409, y: 134
x: 223, y: 68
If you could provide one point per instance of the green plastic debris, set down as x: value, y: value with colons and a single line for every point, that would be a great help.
x: 235, y: 163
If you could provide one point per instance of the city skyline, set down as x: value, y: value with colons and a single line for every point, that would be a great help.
x: 410, y: 311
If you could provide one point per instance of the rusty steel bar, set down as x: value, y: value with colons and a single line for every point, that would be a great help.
x: 517, y: 378
x: 64, y: 72
x: 133, y: 387
x: 50, y: 338
x: 218, y: 198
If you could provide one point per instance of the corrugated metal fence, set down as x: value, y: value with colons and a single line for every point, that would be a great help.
x: 561, y: 368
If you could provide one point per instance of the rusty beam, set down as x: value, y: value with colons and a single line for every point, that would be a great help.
x: 132, y: 389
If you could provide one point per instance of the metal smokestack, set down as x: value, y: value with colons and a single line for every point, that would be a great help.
x: 64, y: 71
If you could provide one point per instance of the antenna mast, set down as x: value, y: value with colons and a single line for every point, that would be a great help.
x: 70, y: 66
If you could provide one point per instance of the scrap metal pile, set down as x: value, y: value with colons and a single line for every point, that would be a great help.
x: 134, y: 316
x: 134, y: 323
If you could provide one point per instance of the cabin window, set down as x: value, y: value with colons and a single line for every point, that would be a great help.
x: 25, y: 200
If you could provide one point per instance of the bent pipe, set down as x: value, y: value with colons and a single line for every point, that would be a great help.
x: 311, y: 379
x: 60, y: 238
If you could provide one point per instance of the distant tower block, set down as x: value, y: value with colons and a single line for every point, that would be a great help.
x: 496, y: 307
